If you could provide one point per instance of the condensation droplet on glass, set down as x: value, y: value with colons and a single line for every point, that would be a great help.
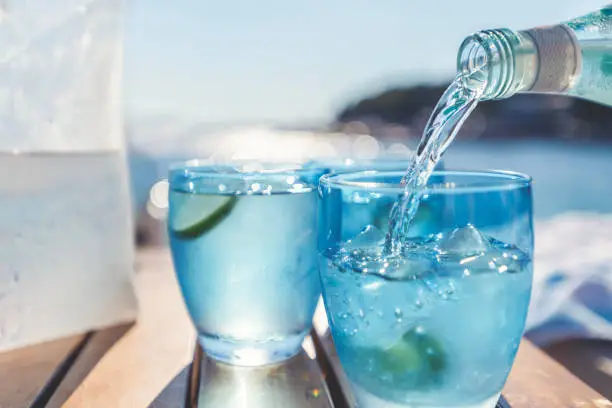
x: 358, y: 198
x: 370, y: 365
x: 447, y: 291
x: 386, y: 377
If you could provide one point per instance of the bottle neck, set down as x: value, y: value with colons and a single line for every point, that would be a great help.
x: 501, y: 63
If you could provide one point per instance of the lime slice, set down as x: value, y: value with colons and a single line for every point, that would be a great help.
x: 402, y: 356
x: 416, y: 361
x: 415, y: 351
x: 196, y: 214
x: 429, y: 348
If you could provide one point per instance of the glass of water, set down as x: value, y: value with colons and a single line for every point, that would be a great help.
x: 438, y: 323
x: 243, y: 241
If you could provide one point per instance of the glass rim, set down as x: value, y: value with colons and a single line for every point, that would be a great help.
x: 260, y: 168
x: 511, y: 181
x: 349, y: 160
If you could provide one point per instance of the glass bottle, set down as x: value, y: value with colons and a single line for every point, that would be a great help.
x: 573, y: 57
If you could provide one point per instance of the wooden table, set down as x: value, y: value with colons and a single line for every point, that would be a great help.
x: 147, y: 364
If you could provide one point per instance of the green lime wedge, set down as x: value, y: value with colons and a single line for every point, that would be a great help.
x: 416, y: 361
x: 402, y: 356
x: 415, y: 351
x: 429, y: 348
x: 197, y: 214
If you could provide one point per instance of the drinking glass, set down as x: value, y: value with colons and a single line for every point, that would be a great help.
x: 243, y: 241
x: 438, y: 323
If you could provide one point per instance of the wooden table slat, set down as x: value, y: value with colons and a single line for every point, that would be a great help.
x: 537, y: 381
x: 26, y: 371
x: 141, y: 364
x: 93, y: 351
x: 146, y: 365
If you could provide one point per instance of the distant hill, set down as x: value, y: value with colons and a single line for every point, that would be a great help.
x: 524, y: 116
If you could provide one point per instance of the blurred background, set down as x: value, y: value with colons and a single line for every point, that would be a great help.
x: 355, y: 78
x: 345, y: 78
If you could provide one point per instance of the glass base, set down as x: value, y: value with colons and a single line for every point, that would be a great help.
x: 368, y: 400
x: 251, y: 354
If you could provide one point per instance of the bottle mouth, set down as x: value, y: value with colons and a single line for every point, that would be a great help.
x: 472, y: 64
x: 485, y: 63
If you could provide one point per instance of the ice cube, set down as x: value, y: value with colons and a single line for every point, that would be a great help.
x: 365, y: 254
x: 409, y: 265
x: 362, y: 253
x: 464, y: 241
x: 496, y: 258
x: 369, y: 237
x: 473, y: 252
x: 506, y: 258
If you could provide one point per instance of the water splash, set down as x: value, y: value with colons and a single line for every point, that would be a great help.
x: 451, y: 111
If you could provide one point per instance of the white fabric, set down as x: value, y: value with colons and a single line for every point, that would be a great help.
x: 572, y: 288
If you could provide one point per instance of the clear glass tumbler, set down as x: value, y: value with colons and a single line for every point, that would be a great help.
x: 243, y: 240
x: 437, y: 324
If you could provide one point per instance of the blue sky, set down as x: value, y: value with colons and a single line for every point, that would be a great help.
x: 282, y: 60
